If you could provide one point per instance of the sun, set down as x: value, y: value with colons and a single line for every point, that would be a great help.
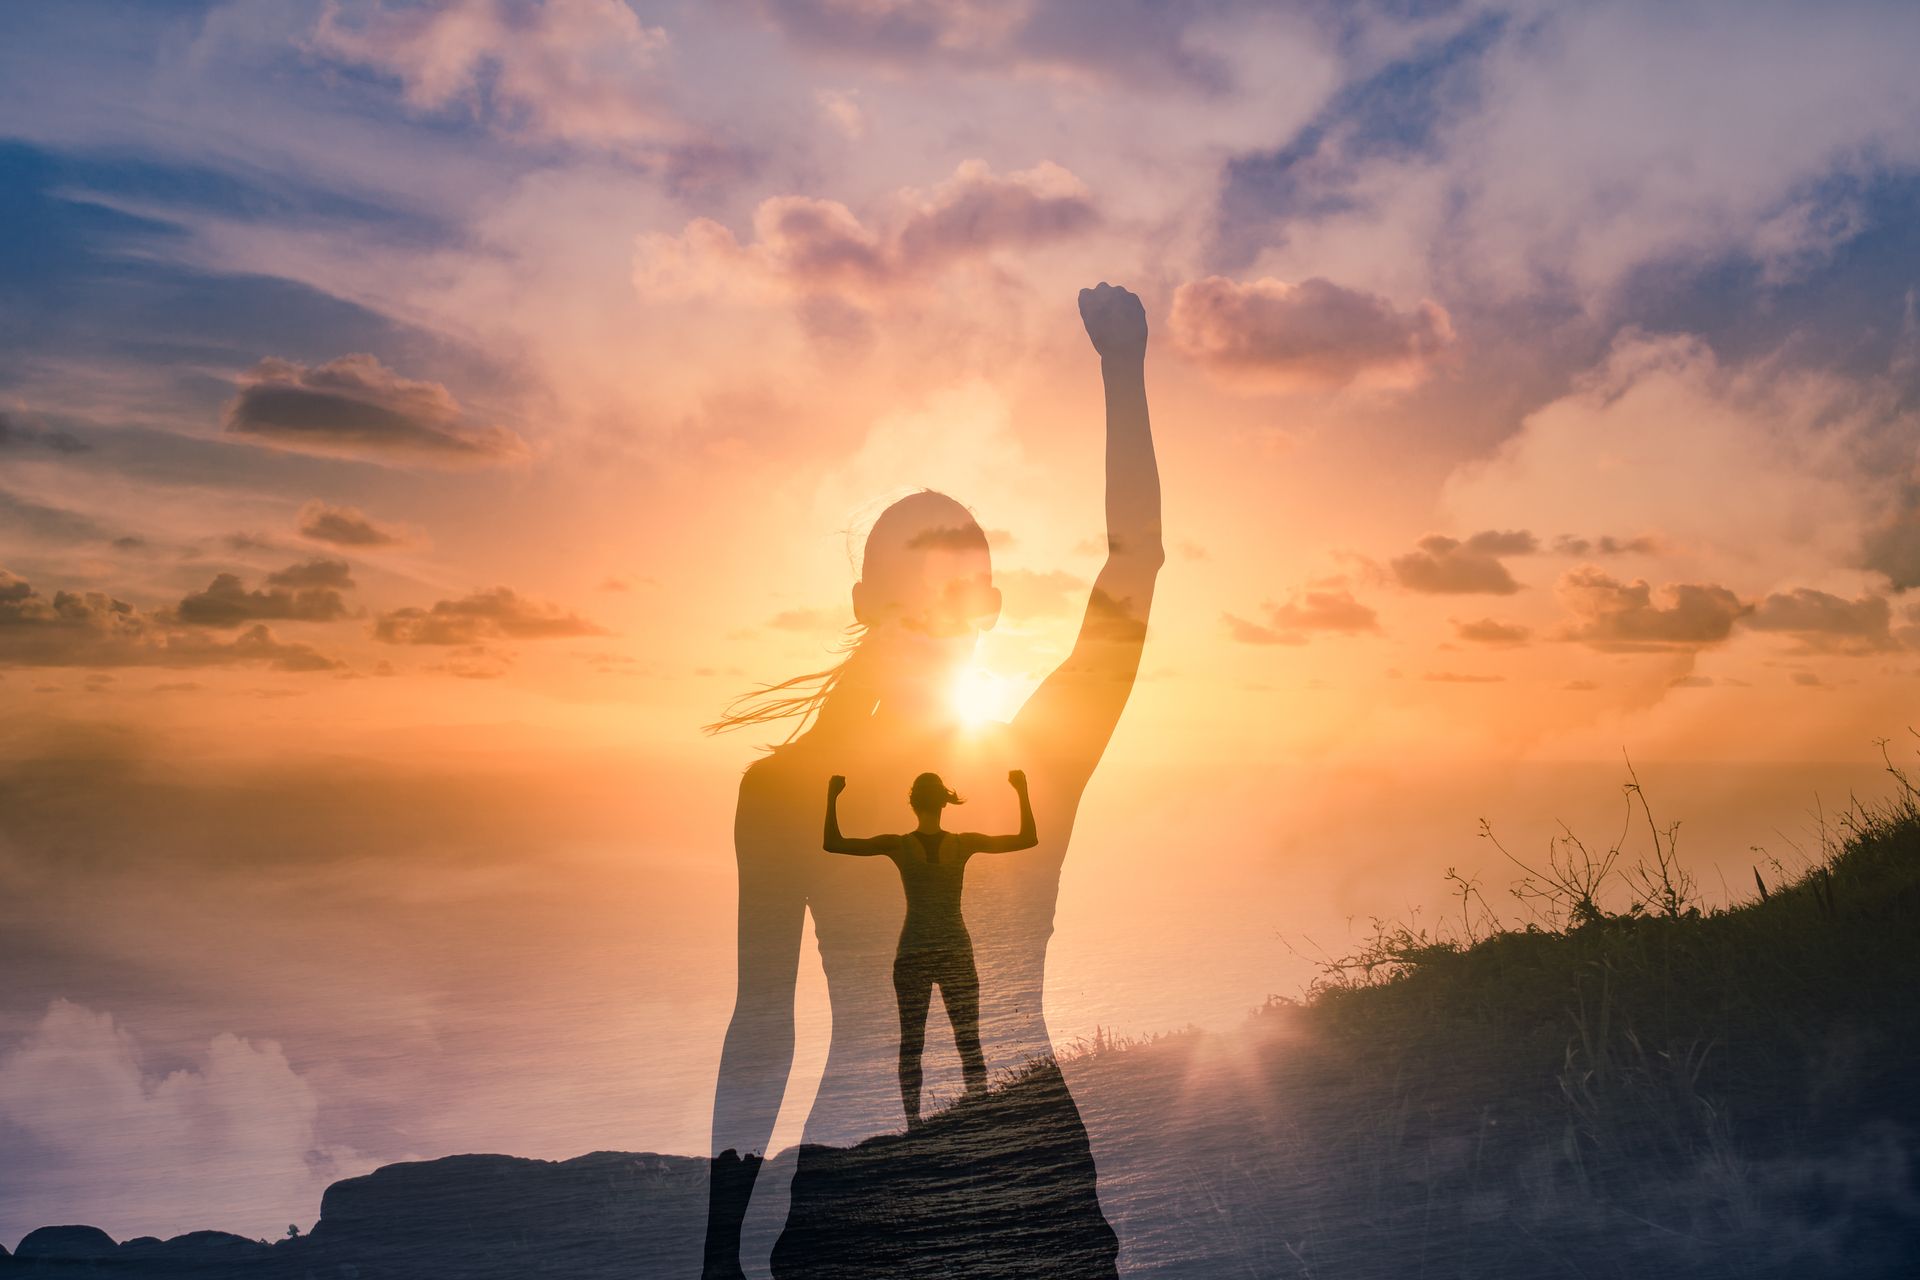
x: 981, y: 696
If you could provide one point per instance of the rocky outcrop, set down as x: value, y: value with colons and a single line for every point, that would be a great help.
x: 996, y: 1187
x: 481, y: 1217
x: 604, y: 1214
x: 66, y: 1244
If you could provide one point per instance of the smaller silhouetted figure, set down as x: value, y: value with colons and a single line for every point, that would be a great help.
x: 935, y: 948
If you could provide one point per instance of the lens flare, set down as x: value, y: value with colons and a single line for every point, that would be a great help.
x: 981, y: 697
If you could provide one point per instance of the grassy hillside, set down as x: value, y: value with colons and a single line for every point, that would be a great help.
x: 1629, y: 1085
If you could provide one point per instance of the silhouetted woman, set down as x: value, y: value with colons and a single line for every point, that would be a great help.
x: 935, y: 947
x: 924, y: 596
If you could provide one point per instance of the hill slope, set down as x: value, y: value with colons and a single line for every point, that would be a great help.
x: 1655, y: 1092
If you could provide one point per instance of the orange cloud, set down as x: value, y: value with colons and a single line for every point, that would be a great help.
x: 1492, y: 631
x: 1448, y: 566
x: 1316, y: 335
x: 307, y: 592
x: 347, y: 527
x: 92, y: 629
x: 1606, y: 545
x: 484, y: 615
x: 1292, y: 623
x: 1825, y: 623
x: 1613, y: 615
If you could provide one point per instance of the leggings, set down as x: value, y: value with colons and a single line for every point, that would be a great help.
x: 917, y: 968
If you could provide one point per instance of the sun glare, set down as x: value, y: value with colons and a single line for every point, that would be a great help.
x: 980, y: 696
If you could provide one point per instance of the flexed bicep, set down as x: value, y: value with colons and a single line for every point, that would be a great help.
x: 1028, y: 835
x: 832, y: 839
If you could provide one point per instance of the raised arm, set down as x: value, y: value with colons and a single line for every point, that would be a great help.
x: 833, y: 842
x: 1073, y: 712
x: 1029, y: 836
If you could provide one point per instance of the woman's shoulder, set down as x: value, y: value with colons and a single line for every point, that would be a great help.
x: 787, y: 767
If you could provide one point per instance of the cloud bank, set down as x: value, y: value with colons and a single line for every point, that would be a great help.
x: 1296, y: 621
x: 499, y: 613
x: 573, y: 71
x: 308, y: 592
x: 804, y: 245
x: 92, y: 629
x: 1618, y: 616
x: 140, y: 1152
x: 1314, y: 335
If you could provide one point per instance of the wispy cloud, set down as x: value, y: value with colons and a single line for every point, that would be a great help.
x: 1295, y: 622
x: 21, y: 435
x: 1491, y: 631
x: 584, y: 72
x: 498, y: 613
x: 346, y: 526
x: 93, y: 629
x: 1132, y: 43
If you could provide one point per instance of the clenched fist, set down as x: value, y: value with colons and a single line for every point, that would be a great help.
x: 1115, y: 321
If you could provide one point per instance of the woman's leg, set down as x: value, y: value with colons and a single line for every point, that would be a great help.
x: 913, y: 988
x: 960, y: 991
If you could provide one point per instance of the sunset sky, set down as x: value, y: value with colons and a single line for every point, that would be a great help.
x: 416, y: 421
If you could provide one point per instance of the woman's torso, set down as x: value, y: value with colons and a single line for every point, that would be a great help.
x: 858, y: 905
x: 932, y: 870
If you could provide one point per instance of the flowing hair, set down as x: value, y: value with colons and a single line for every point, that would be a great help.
x: 801, y: 697
x: 920, y: 521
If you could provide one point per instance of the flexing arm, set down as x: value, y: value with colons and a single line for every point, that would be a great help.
x: 1075, y: 710
x: 1029, y: 836
x: 833, y: 842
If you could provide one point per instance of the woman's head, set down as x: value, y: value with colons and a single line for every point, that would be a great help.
x: 926, y: 572
x: 930, y: 795
x: 924, y: 596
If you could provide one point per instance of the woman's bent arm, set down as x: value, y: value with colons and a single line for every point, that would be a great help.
x: 1029, y: 834
x: 833, y: 842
